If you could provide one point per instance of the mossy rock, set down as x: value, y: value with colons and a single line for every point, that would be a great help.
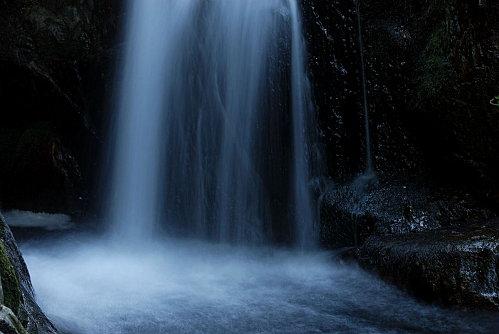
x: 10, y: 283
x: 18, y: 291
x: 9, y: 323
x: 436, y: 72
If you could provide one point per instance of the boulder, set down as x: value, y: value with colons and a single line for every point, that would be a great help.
x: 456, y: 266
x: 440, y: 244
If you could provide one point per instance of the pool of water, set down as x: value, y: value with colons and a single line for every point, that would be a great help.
x: 91, y: 285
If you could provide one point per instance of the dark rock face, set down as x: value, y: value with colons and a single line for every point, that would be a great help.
x: 16, y: 285
x: 432, y: 69
x: 436, y: 65
x: 55, y: 63
x: 334, y: 63
x: 43, y: 167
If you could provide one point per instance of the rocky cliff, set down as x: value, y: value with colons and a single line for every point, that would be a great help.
x: 55, y: 63
x: 431, y: 70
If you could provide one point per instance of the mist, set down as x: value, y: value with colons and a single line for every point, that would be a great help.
x: 88, y: 284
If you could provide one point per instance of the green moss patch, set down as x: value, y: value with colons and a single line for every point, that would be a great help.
x: 10, y: 283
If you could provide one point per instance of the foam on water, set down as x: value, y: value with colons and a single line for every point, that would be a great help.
x: 28, y: 219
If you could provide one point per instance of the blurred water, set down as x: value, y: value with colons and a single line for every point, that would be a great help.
x: 212, y: 137
x: 302, y: 122
x: 155, y: 29
x: 87, y: 285
x: 213, y: 123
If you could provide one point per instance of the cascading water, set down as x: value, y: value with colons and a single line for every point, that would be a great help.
x: 368, y: 177
x: 211, y: 141
x: 301, y: 108
x: 212, y: 94
x: 369, y: 172
x: 155, y: 29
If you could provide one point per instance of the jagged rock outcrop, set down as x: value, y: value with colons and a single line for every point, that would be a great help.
x: 17, y: 291
x: 9, y: 324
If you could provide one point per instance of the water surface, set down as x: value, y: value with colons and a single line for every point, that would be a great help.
x: 89, y: 286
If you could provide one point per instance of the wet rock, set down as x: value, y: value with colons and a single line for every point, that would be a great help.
x: 16, y: 286
x: 9, y: 324
x: 453, y: 266
x: 432, y: 242
x: 353, y: 212
x: 334, y: 64
x: 431, y: 69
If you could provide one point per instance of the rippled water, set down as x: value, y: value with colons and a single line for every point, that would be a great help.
x: 89, y: 286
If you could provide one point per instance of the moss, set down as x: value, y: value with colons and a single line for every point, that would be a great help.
x: 435, y: 68
x: 14, y: 324
x: 435, y: 73
x: 10, y: 282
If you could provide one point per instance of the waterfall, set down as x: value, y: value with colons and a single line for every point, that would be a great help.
x: 365, y: 103
x: 301, y: 107
x: 154, y: 29
x: 211, y: 137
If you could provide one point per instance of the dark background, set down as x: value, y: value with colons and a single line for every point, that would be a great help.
x: 432, y: 68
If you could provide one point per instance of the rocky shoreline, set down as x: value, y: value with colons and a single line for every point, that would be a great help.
x: 447, y: 266
x: 440, y: 246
